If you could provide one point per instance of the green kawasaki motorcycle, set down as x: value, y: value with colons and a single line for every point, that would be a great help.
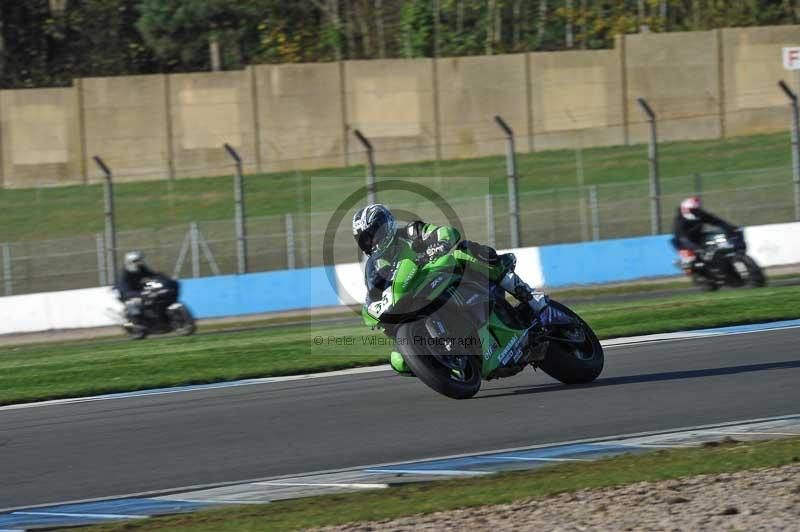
x: 454, y: 328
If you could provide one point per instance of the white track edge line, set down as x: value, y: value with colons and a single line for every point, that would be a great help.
x: 198, y: 487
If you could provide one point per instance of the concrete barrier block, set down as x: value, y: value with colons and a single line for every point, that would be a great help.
x: 472, y: 90
x: 41, y: 137
x: 391, y: 101
x: 300, y: 116
x: 125, y: 122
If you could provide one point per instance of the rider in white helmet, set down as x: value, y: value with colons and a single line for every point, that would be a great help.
x: 377, y: 235
x: 688, y: 227
x: 130, y: 282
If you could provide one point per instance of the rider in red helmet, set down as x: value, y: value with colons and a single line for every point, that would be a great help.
x: 689, y: 229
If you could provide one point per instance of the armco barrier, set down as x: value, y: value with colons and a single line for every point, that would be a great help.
x: 233, y: 295
x: 607, y: 261
x: 209, y: 297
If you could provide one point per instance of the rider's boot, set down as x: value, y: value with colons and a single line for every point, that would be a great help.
x: 399, y: 365
x: 513, y: 284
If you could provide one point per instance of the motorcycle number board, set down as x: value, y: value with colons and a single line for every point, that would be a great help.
x: 791, y: 58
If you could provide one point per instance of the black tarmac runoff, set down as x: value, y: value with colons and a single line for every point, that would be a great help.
x: 66, y: 452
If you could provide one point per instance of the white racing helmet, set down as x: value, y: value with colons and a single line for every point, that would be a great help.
x: 374, y: 228
x: 134, y: 260
x: 688, y: 207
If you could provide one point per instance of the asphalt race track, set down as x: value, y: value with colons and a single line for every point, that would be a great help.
x: 54, y: 453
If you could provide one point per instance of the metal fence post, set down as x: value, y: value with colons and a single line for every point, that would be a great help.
x: 290, y: 260
x: 195, y: 246
x: 593, y: 207
x: 584, y: 224
x: 511, y: 173
x: 7, y: 279
x: 652, y: 156
x: 101, y: 260
x: 698, y: 185
x: 490, y: 235
x: 371, y: 193
x: 241, y: 226
x: 111, y: 230
x: 795, y: 146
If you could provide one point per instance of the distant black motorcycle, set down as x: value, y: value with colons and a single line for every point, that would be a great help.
x: 725, y: 262
x: 159, y: 312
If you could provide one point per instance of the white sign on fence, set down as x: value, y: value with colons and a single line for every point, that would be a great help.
x: 791, y: 58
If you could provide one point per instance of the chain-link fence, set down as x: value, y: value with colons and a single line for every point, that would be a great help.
x: 297, y: 240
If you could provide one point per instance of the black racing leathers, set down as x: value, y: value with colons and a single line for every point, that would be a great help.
x: 130, y: 284
x: 689, y: 234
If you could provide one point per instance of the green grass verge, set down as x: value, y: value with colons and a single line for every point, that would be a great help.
x: 77, y: 210
x: 501, y: 488
x: 29, y: 373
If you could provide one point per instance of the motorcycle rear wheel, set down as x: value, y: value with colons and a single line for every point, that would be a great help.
x: 424, y: 357
x: 571, y: 363
x: 135, y: 332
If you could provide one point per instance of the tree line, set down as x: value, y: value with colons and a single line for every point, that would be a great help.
x: 50, y: 42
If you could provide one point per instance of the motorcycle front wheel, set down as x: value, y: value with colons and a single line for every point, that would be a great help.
x: 755, y: 275
x: 182, y: 320
x: 448, y: 367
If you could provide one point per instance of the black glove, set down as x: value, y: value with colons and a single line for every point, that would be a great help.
x: 431, y: 253
x: 434, y: 251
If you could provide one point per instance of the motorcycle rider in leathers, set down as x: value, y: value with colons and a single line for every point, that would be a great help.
x: 688, y: 228
x: 377, y: 235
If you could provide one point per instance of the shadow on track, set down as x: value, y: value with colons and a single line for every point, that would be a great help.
x: 646, y: 377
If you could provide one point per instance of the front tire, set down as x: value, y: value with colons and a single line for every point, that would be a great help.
x: 421, y: 353
x: 755, y: 275
x: 182, y: 321
x: 573, y: 363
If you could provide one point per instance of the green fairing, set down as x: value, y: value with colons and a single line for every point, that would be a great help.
x: 504, y: 333
x: 369, y: 321
x: 404, y: 279
x: 410, y: 280
x: 446, y: 266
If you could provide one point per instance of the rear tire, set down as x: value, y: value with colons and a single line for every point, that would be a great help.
x: 419, y: 358
x: 135, y: 332
x: 571, y: 363
x: 704, y: 283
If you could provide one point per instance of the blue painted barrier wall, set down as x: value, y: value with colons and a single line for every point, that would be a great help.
x: 234, y: 295
x: 607, y: 261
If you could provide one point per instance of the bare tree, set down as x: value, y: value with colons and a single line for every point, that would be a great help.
x: 460, y: 19
x: 498, y: 24
x: 542, y: 22
x: 584, y: 28
x: 639, y: 13
x: 360, y: 15
x: 379, y: 28
x: 351, y: 38
x: 490, y: 26
x: 331, y: 9
x: 696, y: 14
x: 569, y: 37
